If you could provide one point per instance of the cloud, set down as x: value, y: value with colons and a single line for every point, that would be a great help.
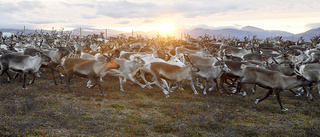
x: 86, y: 4
x: 45, y: 13
x: 133, y: 9
x: 6, y: 7
x: 126, y: 9
x: 204, y: 8
x: 89, y: 16
x: 124, y: 22
x: 30, y: 5
x: 40, y: 21
x: 148, y: 21
x: 22, y: 6
x: 78, y: 26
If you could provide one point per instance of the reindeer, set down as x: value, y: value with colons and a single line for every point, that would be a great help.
x: 127, y: 70
x: 210, y: 72
x: 55, y: 54
x: 24, y: 64
x: 274, y: 81
x: 91, y: 69
x: 163, y: 71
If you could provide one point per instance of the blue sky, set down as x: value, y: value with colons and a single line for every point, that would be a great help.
x: 287, y: 15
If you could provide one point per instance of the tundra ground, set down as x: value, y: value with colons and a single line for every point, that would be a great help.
x: 45, y: 109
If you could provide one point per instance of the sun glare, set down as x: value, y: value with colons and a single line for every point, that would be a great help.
x: 162, y: 29
x: 166, y: 28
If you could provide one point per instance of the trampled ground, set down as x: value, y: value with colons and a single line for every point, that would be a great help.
x: 48, y: 110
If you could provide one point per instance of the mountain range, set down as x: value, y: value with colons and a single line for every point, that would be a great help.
x: 248, y: 31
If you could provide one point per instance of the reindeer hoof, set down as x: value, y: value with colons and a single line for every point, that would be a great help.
x: 284, y: 109
x: 201, y: 87
x: 257, y: 101
x: 300, y: 90
x: 298, y: 95
x: 234, y: 91
x: 149, y: 87
x: 167, y: 96
x: 210, y: 89
x: 244, y: 94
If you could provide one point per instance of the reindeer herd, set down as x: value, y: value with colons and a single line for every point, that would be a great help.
x: 272, y: 63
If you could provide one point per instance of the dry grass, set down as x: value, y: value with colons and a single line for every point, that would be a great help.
x: 48, y: 110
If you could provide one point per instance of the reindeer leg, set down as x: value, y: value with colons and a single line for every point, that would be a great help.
x: 192, y: 84
x: 9, y: 77
x: 299, y: 89
x: 24, y: 80
x: 89, y: 84
x: 165, y: 84
x: 68, y: 78
x: 136, y: 81
x: 198, y: 83
x: 32, y: 81
x: 180, y: 85
x: 309, y: 94
x: 60, y: 77
x: 278, y: 98
x: 159, y: 84
x: 53, y: 76
x: 1, y: 73
x: 173, y: 88
x: 121, y: 82
x: 214, y: 83
x: 94, y: 83
x: 143, y: 77
x: 266, y: 96
x: 254, y: 89
x: 57, y: 69
x: 319, y: 88
x: 52, y: 68
x: 98, y: 82
x: 294, y: 93
x: 205, y: 87
x: 15, y: 76
x: 166, y: 93
x: 240, y: 85
x: 222, y: 81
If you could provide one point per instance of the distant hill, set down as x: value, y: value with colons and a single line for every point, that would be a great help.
x: 247, y: 31
x: 308, y: 34
x: 251, y: 28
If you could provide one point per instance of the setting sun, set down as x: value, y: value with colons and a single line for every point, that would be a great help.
x: 167, y: 27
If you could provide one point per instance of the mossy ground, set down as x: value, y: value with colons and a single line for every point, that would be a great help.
x: 45, y: 109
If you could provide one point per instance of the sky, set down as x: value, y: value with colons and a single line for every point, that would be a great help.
x: 295, y: 16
